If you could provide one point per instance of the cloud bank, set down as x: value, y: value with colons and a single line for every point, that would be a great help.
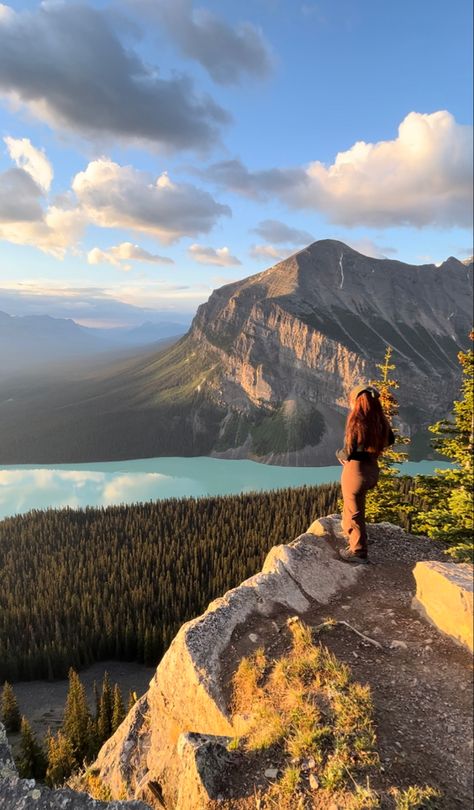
x: 105, y: 194
x: 114, y: 196
x: 422, y: 177
x: 125, y: 304
x: 65, y: 63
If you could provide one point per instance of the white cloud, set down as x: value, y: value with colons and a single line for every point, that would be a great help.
x: 52, y: 229
x: 221, y: 257
x: 422, y: 177
x: 31, y: 159
x: 26, y: 218
x: 114, y: 196
x: 270, y: 252
x: 125, y: 252
x: 104, y: 194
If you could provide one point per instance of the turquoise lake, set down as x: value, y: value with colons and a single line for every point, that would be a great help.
x: 28, y: 487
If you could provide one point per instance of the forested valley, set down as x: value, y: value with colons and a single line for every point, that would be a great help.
x: 80, y: 586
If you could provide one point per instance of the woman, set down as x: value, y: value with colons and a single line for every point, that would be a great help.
x: 368, y: 433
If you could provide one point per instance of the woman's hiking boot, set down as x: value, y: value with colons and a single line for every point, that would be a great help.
x: 358, y: 557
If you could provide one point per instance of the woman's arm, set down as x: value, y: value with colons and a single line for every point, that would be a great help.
x: 345, y: 453
x: 341, y: 455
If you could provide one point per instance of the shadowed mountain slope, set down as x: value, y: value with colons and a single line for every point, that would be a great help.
x: 265, y: 369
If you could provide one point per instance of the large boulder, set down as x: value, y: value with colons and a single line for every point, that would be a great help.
x: 186, y: 694
x: 204, y: 761
x: 444, y: 594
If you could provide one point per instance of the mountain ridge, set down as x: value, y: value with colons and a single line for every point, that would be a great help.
x: 28, y: 342
x: 265, y: 369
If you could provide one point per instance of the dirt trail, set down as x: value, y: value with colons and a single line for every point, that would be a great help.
x: 421, y: 681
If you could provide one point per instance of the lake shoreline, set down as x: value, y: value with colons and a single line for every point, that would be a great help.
x: 26, y: 487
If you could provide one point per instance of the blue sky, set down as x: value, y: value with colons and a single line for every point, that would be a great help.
x: 152, y: 150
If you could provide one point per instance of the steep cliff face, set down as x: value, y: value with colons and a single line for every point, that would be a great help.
x: 284, y: 347
x: 266, y: 367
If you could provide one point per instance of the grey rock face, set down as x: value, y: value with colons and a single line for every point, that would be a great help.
x: 300, y: 335
x: 203, y: 760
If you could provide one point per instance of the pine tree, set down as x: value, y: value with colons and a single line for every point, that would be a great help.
x: 61, y: 759
x: 104, y: 723
x: 448, y: 495
x: 386, y: 501
x: 76, y: 723
x: 118, y: 710
x: 31, y: 760
x: 96, y: 701
x: 11, y: 717
x: 132, y: 699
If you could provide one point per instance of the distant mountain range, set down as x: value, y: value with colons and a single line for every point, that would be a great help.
x: 265, y: 370
x: 32, y: 341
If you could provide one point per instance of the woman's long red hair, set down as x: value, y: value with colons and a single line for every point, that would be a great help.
x: 367, y: 426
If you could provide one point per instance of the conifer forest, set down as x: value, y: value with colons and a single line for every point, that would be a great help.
x: 87, y: 585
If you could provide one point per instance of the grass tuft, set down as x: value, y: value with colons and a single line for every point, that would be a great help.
x: 416, y: 798
x: 305, y: 706
x: 315, y: 724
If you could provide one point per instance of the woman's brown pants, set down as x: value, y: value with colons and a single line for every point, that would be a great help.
x: 356, y: 479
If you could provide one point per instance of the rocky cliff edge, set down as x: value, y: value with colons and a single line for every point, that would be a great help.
x: 189, y: 693
x: 171, y: 749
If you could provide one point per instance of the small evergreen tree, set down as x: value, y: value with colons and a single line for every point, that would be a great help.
x: 96, y: 701
x: 448, y: 495
x: 77, y: 720
x: 386, y: 501
x: 31, y: 760
x: 104, y: 723
x: 11, y: 717
x: 132, y: 699
x: 118, y: 710
x: 61, y: 759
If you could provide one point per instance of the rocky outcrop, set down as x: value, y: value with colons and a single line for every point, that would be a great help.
x: 26, y: 794
x: 444, y: 594
x: 188, y: 694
